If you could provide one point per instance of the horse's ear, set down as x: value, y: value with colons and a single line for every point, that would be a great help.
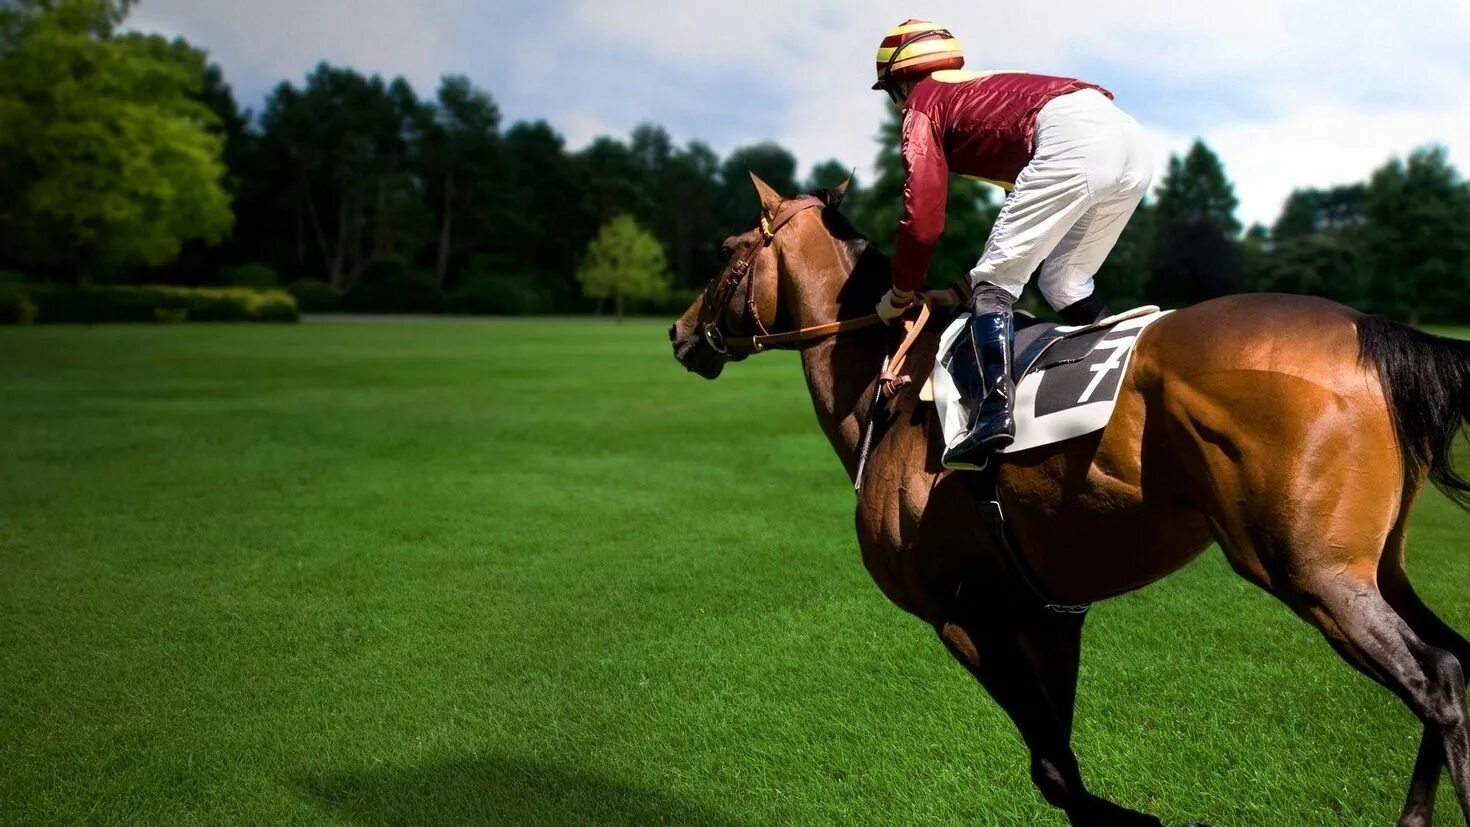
x: 841, y: 189
x: 770, y: 199
x: 839, y: 192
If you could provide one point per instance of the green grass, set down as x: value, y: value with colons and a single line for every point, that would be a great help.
x: 532, y: 572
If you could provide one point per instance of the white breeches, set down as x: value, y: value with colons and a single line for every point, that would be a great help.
x: 1091, y: 168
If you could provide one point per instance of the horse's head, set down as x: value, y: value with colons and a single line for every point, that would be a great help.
x: 770, y: 282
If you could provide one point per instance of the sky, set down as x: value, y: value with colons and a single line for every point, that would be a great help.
x: 1289, y: 93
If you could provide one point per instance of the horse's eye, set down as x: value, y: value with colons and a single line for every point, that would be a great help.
x: 727, y: 249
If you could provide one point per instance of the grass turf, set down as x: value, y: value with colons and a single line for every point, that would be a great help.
x: 533, y: 573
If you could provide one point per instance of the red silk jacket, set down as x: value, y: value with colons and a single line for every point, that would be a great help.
x: 980, y: 125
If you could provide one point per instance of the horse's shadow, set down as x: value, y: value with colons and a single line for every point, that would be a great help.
x: 497, y: 790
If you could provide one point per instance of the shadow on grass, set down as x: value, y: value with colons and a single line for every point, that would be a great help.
x: 497, y: 790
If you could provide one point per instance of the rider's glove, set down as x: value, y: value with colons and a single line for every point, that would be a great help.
x: 894, y: 303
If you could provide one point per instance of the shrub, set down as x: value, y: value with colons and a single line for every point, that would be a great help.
x: 88, y: 304
x: 391, y: 287
x: 499, y: 294
x: 16, y: 306
x: 256, y: 275
x: 314, y: 296
x: 12, y: 277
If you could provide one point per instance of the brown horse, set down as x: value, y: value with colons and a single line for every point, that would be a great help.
x: 1292, y: 431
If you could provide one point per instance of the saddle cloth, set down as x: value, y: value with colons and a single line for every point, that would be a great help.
x: 1067, y: 378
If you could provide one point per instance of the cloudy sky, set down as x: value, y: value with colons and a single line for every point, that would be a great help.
x: 1289, y: 92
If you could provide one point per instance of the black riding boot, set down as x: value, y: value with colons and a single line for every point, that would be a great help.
x: 981, y: 369
x: 1085, y: 312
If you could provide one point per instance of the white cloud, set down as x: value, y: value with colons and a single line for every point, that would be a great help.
x: 1289, y: 92
x: 1320, y: 146
x: 262, y: 42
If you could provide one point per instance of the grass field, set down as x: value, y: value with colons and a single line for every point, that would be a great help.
x: 533, y: 573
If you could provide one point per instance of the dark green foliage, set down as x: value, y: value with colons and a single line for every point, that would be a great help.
x: 738, y: 208
x: 314, y: 296
x: 256, y: 275
x: 16, y: 306
x: 1416, y: 239
x: 363, y: 195
x: 499, y: 294
x: 392, y: 286
x: 91, y: 304
x: 1196, y: 255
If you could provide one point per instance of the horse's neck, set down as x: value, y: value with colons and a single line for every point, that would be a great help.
x: 842, y: 376
x: 842, y: 371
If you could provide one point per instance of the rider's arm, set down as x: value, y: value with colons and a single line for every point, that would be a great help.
x: 924, y: 196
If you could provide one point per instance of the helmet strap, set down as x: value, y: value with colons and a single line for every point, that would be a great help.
x: 889, y: 85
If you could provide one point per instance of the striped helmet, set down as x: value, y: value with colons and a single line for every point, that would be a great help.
x: 913, y: 49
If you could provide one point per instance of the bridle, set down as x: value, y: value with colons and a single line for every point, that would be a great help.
x: 717, y: 294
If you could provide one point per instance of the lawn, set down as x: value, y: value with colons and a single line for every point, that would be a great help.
x: 534, y: 573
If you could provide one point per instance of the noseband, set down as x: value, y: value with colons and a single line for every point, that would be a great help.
x: 718, y: 293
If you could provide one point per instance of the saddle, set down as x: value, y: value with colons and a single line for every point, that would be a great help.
x: 1067, y: 378
x: 1067, y: 383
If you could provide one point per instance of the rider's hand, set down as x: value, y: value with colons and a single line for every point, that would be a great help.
x: 894, y: 303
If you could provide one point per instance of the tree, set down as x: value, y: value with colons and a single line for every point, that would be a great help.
x: 830, y: 173
x: 624, y: 262
x: 1196, y: 255
x: 344, y: 141
x: 1416, y: 238
x: 1311, y: 211
x: 107, y: 158
x: 738, y: 207
x: 458, y: 145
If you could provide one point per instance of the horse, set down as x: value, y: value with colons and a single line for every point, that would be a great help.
x: 1294, y: 432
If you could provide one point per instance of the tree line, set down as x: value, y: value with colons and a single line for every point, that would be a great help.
x: 125, y: 158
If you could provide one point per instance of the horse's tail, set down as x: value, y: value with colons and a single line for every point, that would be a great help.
x: 1426, y: 379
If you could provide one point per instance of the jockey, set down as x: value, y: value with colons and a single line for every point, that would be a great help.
x: 1074, y: 167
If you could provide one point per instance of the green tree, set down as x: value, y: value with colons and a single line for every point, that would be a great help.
x: 1416, y: 238
x: 829, y: 174
x: 344, y: 142
x: 107, y: 156
x: 1196, y: 254
x: 693, y: 191
x: 968, y: 217
x: 624, y: 262
x: 458, y: 146
x: 1310, y: 211
x: 739, y: 207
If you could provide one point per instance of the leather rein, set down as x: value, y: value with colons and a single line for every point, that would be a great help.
x: 718, y: 293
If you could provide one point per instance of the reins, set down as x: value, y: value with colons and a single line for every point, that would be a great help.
x: 717, y: 295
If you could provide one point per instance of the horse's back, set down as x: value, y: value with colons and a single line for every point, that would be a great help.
x: 1271, y: 424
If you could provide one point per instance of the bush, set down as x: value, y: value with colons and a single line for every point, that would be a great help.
x: 12, y: 277
x: 314, y: 296
x: 16, y: 306
x: 89, y: 304
x: 500, y: 294
x: 256, y: 275
x: 391, y: 287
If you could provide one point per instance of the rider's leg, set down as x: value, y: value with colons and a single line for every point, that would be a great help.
x: 1050, y: 195
x: 1120, y: 173
x: 980, y: 365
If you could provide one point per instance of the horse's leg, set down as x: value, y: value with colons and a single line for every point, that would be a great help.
x: 1005, y: 659
x: 1394, y: 583
x: 1366, y: 629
